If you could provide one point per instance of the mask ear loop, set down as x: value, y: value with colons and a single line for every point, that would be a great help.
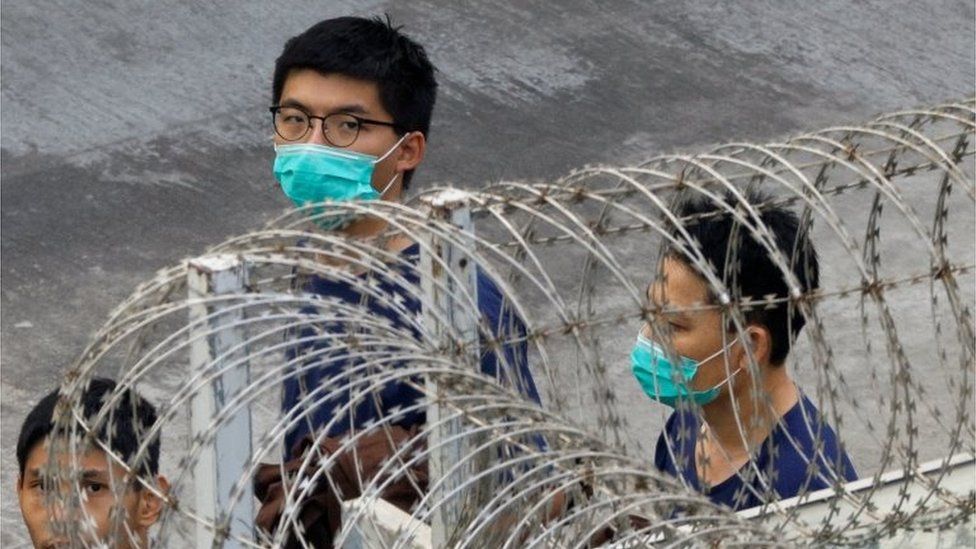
x: 728, y: 378
x: 393, y: 148
x: 382, y: 158
x: 388, y: 185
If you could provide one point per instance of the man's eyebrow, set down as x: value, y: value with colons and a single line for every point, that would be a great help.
x: 680, y: 315
x: 351, y: 108
x: 674, y: 313
x: 292, y: 103
x: 40, y: 474
x: 86, y: 474
x: 90, y: 474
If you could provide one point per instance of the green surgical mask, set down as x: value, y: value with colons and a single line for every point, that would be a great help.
x: 311, y: 173
x: 666, y: 382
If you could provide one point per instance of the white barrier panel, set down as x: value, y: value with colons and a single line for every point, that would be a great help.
x: 220, y: 464
x: 447, y: 273
x: 381, y: 524
x: 958, y: 479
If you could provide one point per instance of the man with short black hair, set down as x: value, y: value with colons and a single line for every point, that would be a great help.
x: 118, y: 489
x: 352, y: 105
x: 742, y: 431
x: 352, y: 100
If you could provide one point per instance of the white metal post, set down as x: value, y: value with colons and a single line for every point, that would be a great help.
x: 443, y: 289
x: 222, y: 461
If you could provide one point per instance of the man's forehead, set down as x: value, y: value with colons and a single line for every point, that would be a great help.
x: 85, y: 456
x: 331, y: 92
x: 677, y: 285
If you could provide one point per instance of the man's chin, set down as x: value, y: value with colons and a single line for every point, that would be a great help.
x: 55, y: 543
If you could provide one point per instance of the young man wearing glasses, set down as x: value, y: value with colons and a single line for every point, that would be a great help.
x: 352, y: 103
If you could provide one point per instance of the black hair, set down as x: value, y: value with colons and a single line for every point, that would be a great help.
x: 122, y: 430
x: 751, y: 273
x: 369, y: 49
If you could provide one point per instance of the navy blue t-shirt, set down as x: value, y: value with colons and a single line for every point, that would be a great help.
x: 787, y: 467
x: 397, y: 303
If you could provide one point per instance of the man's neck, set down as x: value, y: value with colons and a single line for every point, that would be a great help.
x: 365, y: 227
x: 371, y: 227
x: 742, y: 421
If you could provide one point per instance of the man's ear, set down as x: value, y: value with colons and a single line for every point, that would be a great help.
x: 411, y: 152
x: 760, y: 343
x: 151, y: 505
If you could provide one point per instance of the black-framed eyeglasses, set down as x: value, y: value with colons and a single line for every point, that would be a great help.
x: 339, y: 129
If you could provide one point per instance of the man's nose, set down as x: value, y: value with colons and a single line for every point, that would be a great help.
x: 63, y: 525
x: 315, y: 134
x: 63, y: 511
x: 56, y: 513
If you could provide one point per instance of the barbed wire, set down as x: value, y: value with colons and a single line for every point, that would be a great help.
x: 550, y: 446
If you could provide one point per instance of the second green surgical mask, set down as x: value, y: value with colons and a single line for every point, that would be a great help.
x: 310, y: 173
x: 666, y: 382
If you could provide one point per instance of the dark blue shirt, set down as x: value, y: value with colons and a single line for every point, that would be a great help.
x: 784, y: 468
x: 397, y: 302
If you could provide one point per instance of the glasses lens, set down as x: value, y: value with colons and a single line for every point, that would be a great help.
x: 291, y: 123
x: 341, y: 129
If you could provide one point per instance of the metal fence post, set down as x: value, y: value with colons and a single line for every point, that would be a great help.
x: 442, y: 289
x: 222, y: 461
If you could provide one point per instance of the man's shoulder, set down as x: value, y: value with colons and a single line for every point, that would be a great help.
x: 804, y: 422
x: 805, y: 447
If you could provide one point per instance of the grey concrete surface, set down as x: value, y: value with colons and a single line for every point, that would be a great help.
x: 135, y: 133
